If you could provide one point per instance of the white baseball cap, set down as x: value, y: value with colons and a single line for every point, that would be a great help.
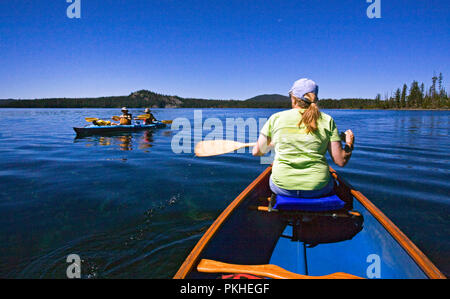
x: 302, y: 87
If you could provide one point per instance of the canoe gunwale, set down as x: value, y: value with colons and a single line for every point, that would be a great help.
x: 410, y: 248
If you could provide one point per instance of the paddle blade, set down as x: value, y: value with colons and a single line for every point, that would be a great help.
x: 90, y: 119
x: 167, y: 122
x: 116, y: 118
x: 143, y: 116
x: 218, y: 147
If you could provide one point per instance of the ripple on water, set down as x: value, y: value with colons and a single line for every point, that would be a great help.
x: 132, y: 208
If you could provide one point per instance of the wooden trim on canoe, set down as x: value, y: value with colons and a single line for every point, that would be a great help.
x: 414, y: 252
x: 192, y: 258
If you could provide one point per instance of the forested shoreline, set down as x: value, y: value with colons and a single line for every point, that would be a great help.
x: 415, y: 96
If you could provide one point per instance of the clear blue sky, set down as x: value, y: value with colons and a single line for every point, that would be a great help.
x: 219, y: 49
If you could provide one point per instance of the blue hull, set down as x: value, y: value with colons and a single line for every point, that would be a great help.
x: 99, y: 130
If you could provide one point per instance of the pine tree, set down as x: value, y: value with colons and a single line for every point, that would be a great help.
x: 391, y: 102
x: 414, y: 97
x: 433, y: 92
x: 403, y: 96
x: 422, y: 93
x: 433, y: 86
x: 397, y: 98
x: 442, y: 93
x: 378, y: 101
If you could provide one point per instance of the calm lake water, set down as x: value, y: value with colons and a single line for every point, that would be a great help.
x: 132, y: 208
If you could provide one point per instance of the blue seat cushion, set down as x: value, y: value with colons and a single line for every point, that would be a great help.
x: 321, y: 204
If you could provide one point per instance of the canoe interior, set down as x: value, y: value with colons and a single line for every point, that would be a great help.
x: 316, y: 246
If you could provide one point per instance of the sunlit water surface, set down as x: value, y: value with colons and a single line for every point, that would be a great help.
x: 132, y: 208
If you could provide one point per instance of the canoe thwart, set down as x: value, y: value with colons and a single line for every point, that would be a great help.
x: 270, y: 271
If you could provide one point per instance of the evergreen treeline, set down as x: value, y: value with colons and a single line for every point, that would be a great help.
x: 413, y: 97
x: 417, y: 97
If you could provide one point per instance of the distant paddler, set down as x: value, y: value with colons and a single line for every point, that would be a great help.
x: 148, y: 117
x: 125, y: 118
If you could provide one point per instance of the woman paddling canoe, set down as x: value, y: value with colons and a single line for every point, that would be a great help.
x: 301, y: 137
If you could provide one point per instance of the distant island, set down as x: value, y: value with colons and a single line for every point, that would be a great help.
x: 414, y: 97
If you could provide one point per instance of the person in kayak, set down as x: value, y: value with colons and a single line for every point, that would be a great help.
x: 301, y: 137
x: 151, y: 119
x: 125, y: 118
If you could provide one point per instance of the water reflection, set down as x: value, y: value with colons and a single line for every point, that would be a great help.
x: 426, y: 123
x: 146, y: 141
x: 121, y: 141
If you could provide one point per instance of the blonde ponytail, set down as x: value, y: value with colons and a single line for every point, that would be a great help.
x: 312, y: 113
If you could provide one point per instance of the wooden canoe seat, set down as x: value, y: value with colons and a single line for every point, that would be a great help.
x: 270, y: 271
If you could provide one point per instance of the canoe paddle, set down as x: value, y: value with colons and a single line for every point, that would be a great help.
x: 272, y: 271
x: 209, y: 148
x: 117, y: 118
x: 145, y: 116
x: 219, y: 147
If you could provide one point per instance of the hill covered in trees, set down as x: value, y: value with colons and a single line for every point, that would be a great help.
x: 413, y: 97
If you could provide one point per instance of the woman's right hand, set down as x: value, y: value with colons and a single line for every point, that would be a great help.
x: 349, y: 138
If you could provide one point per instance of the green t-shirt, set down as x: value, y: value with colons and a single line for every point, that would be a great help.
x: 300, y: 162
